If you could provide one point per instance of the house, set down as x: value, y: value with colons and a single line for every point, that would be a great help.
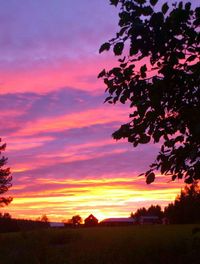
x: 151, y: 219
x: 122, y: 221
x: 91, y: 220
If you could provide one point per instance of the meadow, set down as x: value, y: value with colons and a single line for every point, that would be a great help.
x: 103, y: 245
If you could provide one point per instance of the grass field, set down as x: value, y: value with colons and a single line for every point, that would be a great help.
x: 103, y: 245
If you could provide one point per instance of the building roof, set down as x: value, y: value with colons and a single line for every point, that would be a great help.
x: 119, y: 220
x: 149, y: 217
x: 91, y: 217
x: 56, y: 224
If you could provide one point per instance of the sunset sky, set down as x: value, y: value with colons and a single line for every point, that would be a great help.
x: 57, y: 129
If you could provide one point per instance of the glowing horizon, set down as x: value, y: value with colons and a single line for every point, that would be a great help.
x: 105, y: 197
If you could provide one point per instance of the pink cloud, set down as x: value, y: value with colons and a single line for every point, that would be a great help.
x: 43, y: 77
x: 98, y: 115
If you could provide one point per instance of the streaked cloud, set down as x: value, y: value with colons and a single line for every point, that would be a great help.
x: 53, y: 119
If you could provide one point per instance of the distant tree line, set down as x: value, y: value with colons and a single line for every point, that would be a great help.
x: 184, y: 210
x: 151, y: 211
x: 9, y: 224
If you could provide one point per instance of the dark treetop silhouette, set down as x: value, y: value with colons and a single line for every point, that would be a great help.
x: 5, y: 178
x: 153, y: 210
x: 186, y: 207
x: 164, y: 91
x: 184, y: 210
x: 76, y: 220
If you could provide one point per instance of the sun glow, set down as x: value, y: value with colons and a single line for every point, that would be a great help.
x: 114, y: 197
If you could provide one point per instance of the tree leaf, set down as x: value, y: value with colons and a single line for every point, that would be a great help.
x: 150, y: 178
x: 114, y: 2
x: 191, y: 58
x: 153, y: 2
x: 156, y: 19
x: 143, y: 70
x: 147, y: 11
x: 181, y: 55
x: 121, y: 32
x: 118, y: 48
x: 102, y: 73
x: 189, y: 180
x: 105, y: 46
x: 165, y: 8
x: 174, y: 177
x: 107, y: 99
x: 188, y: 6
x: 133, y: 50
x: 141, y: 2
x: 144, y: 139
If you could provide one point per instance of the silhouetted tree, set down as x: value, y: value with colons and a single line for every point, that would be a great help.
x: 5, y: 216
x: 139, y: 212
x: 76, y: 220
x: 186, y: 207
x: 5, y: 178
x: 44, y: 219
x: 153, y: 210
x: 158, y: 74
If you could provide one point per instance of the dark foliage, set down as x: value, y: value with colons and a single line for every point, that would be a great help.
x: 186, y: 207
x: 5, y: 178
x: 158, y: 74
x: 76, y: 220
x: 5, y: 216
x: 153, y: 210
x: 8, y: 224
x: 44, y: 218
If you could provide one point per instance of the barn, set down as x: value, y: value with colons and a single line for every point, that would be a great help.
x: 149, y: 220
x: 91, y: 220
x: 122, y: 221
